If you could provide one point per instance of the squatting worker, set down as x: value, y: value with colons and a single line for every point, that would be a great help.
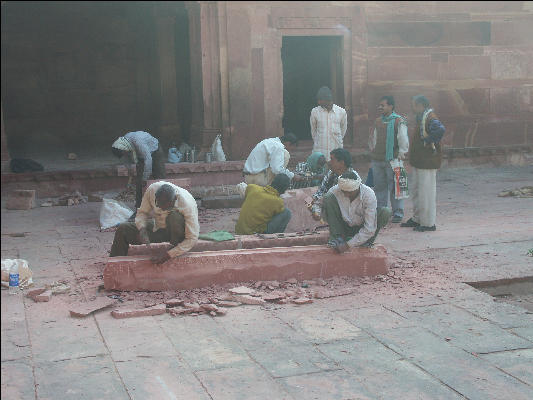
x: 350, y: 209
x: 269, y: 158
x: 340, y: 162
x: 328, y: 123
x: 146, y: 154
x: 168, y: 213
x: 263, y: 210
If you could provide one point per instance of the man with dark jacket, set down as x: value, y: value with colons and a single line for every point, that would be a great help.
x: 425, y: 158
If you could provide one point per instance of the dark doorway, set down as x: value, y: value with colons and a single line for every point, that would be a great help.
x: 309, y: 62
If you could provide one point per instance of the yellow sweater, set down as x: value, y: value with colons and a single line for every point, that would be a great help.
x: 260, y: 205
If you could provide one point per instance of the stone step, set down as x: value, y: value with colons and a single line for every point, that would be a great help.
x: 196, y: 270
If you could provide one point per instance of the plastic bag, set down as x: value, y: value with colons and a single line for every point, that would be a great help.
x: 113, y: 213
x: 174, y: 155
x: 401, y: 190
x: 241, y: 189
x: 25, y: 274
x: 216, y: 149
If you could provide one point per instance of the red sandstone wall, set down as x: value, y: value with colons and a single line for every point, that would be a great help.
x: 474, y: 63
x: 473, y: 60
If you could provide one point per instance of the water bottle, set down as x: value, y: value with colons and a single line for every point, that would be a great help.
x: 14, y: 278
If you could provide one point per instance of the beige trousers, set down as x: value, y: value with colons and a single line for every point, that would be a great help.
x: 423, y: 191
x: 265, y: 177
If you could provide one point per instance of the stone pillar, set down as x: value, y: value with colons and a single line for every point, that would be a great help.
x: 205, y: 73
x: 165, y: 20
x: 5, y: 152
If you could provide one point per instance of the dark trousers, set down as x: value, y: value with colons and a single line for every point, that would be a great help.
x: 158, y: 172
x: 127, y: 233
x: 331, y: 213
x: 279, y: 222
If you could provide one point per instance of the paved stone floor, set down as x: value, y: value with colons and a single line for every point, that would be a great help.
x: 418, y: 333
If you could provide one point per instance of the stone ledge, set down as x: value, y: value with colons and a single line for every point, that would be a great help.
x: 196, y: 270
x: 242, y: 242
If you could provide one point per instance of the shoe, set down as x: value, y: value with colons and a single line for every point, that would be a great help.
x: 396, y: 219
x: 421, y: 228
x: 410, y: 224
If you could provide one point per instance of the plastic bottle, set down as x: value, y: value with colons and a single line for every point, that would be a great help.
x: 14, y: 278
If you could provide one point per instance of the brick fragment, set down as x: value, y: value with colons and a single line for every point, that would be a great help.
x: 209, y: 307
x: 35, y: 292
x: 43, y: 297
x: 221, y: 312
x: 227, y: 303
x: 302, y: 300
x: 86, y: 308
x: 155, y: 310
x: 242, y: 290
x: 174, y: 302
x: 21, y: 200
x: 274, y: 296
x: 292, y: 281
x: 213, y: 314
x: 246, y: 299
x: 179, y: 311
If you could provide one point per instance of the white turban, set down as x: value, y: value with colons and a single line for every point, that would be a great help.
x: 123, y: 144
x: 349, y: 185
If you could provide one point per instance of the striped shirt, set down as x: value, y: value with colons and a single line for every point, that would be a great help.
x: 328, y: 129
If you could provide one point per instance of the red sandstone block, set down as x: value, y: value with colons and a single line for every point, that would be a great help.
x: 174, y: 302
x: 209, y: 307
x: 86, y: 308
x: 302, y: 300
x: 228, y: 303
x: 195, y: 270
x: 35, y: 292
x: 155, y: 310
x: 246, y: 299
x: 21, y: 200
x: 43, y: 297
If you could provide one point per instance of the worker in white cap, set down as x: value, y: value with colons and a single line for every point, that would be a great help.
x: 350, y: 209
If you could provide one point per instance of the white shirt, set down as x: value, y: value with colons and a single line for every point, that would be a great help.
x: 185, y: 204
x: 267, y: 153
x: 144, y: 145
x: 403, y: 140
x: 328, y: 129
x: 361, y: 211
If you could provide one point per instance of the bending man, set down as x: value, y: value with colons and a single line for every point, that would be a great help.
x: 147, y: 155
x: 168, y: 213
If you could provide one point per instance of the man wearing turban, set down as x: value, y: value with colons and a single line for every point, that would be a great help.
x: 350, y: 209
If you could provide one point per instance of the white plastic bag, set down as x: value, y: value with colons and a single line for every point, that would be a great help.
x: 174, y: 155
x: 401, y: 190
x: 25, y: 273
x: 241, y: 189
x: 216, y: 149
x: 113, y: 213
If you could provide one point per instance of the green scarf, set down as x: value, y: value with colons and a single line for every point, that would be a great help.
x: 312, y: 161
x: 389, y: 150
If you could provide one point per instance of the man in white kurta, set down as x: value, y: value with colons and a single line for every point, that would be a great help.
x: 168, y: 213
x: 328, y: 124
x: 269, y: 158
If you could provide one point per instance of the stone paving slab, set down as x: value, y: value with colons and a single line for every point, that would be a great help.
x: 199, y: 343
x: 15, y: 340
x: 155, y: 377
x: 332, y: 385
x: 282, y: 358
x: 518, y: 363
x: 144, y: 337
x: 469, y: 375
x: 88, y: 378
x: 384, y: 372
x: 245, y: 382
x: 525, y: 332
x: 17, y: 380
x: 465, y: 330
x: 252, y: 327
